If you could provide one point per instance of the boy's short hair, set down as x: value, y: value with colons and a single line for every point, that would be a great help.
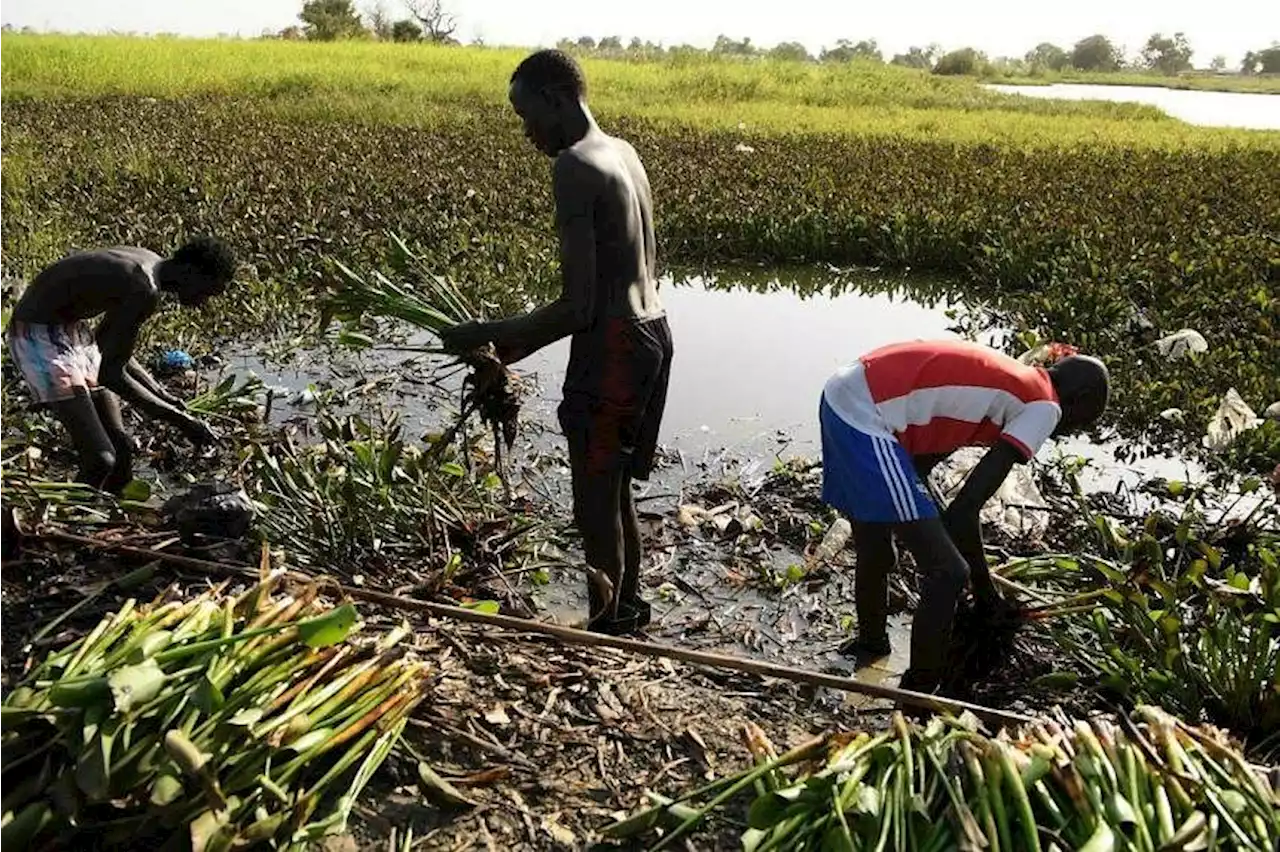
x: 1084, y: 383
x: 210, y: 255
x: 552, y: 70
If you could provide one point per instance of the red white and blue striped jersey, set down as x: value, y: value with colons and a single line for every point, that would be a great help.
x: 938, y: 396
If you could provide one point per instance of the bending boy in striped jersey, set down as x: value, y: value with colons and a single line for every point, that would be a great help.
x: 887, y: 420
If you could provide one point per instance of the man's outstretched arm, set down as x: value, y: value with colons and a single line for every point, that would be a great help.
x: 575, y: 310
x: 117, y: 335
x: 961, y: 518
x: 144, y: 378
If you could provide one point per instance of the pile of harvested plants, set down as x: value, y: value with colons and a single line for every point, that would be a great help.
x: 366, y: 499
x: 212, y: 723
x: 1147, y: 783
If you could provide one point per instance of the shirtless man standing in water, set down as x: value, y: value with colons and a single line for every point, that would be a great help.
x: 615, y: 387
x: 81, y: 373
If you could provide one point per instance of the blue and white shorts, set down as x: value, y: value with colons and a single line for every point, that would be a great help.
x: 866, y: 473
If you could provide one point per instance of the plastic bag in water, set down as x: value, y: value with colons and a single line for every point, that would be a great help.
x: 1182, y: 343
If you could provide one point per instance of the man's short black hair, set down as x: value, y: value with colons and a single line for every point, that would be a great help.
x: 552, y: 70
x: 210, y: 255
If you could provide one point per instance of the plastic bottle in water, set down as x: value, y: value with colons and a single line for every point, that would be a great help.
x: 833, y: 542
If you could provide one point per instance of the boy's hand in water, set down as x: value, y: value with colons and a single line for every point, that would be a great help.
x: 464, y: 337
x: 199, y: 433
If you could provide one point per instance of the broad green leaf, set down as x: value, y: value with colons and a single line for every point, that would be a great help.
x: 766, y: 811
x: 152, y: 644
x: 208, y: 828
x: 453, y: 469
x: 132, y: 686
x: 93, y: 769
x: 329, y: 629
x: 165, y: 790
x: 80, y: 694
x: 208, y: 697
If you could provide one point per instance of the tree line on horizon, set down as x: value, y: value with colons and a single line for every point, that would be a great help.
x: 431, y: 21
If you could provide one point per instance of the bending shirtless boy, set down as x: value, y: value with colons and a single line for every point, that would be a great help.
x: 80, y: 372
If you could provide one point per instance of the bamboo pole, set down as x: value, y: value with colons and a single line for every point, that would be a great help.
x: 572, y: 635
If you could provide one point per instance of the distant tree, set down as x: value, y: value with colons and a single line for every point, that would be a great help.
x: 1165, y: 55
x: 291, y: 33
x: 1218, y: 64
x: 1266, y: 61
x: 406, y: 30
x: 790, y: 51
x: 727, y: 46
x: 1047, y: 57
x: 379, y: 21
x: 847, y: 51
x: 585, y: 43
x: 684, y: 51
x: 918, y: 57
x: 328, y: 20
x: 1006, y: 66
x: 1096, y: 53
x: 965, y: 62
x: 437, y: 23
x: 610, y: 43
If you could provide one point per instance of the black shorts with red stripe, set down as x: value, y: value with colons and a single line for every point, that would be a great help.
x: 613, y: 403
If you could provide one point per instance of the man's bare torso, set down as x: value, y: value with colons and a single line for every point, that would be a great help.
x: 626, y: 251
x: 87, y: 284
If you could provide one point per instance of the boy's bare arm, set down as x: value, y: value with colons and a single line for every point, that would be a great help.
x: 962, y: 516
x: 117, y: 335
x: 148, y: 381
x: 575, y: 309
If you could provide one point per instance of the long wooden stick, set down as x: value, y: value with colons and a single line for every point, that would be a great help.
x: 574, y: 636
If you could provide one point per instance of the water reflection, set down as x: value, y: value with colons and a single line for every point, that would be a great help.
x: 754, y: 347
x: 1211, y: 109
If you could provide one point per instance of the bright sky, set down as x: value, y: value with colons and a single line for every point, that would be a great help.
x: 999, y: 27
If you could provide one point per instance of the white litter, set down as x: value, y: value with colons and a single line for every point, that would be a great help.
x: 1182, y: 343
x: 1233, y: 418
x: 1016, y: 508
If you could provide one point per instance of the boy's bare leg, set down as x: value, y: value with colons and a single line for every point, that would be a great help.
x: 877, y: 558
x: 597, y: 516
x: 943, y: 575
x: 89, y: 436
x: 632, y: 550
x: 107, y: 404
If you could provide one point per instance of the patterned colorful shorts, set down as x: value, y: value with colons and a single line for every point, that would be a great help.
x: 55, y: 359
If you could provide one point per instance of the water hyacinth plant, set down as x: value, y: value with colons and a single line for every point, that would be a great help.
x: 218, y: 722
x: 1177, y: 611
x: 431, y: 304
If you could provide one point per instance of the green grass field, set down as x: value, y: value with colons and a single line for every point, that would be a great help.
x: 422, y: 85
